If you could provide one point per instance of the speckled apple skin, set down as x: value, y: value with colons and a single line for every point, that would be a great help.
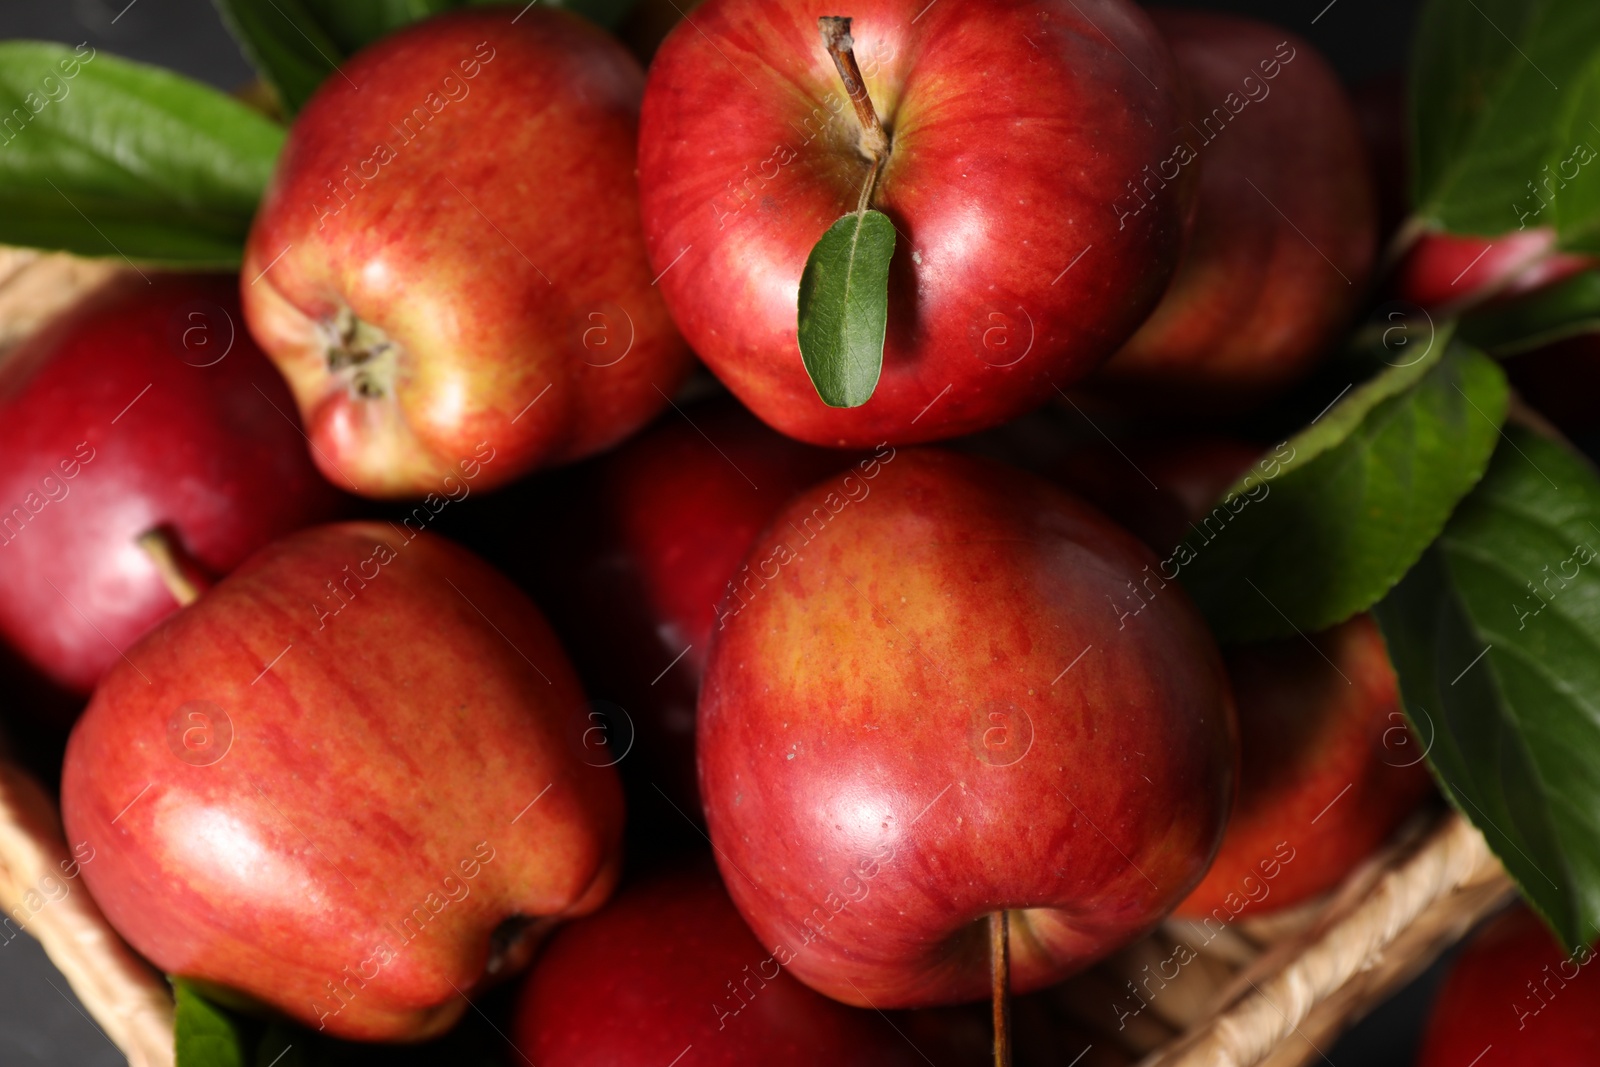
x: 938, y: 710
x: 1286, y: 220
x: 1328, y: 770
x: 500, y: 248
x: 1016, y: 128
x: 669, y: 969
x: 384, y: 763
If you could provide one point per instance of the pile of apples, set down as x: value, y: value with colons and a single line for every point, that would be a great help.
x: 760, y: 723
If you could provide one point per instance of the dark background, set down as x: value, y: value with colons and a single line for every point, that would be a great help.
x: 41, y: 1024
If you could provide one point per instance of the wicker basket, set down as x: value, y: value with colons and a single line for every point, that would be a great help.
x: 1273, y: 991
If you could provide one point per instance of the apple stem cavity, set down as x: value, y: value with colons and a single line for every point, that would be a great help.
x: 180, y: 572
x: 1000, y: 981
x: 874, y: 141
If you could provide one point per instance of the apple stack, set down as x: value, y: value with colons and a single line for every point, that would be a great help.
x: 1007, y: 630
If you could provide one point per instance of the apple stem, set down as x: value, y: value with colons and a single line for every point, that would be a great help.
x: 1000, y: 980
x: 180, y: 572
x: 836, y: 39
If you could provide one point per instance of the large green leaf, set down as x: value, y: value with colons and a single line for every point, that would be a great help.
x: 296, y: 44
x: 1505, y: 117
x: 844, y: 308
x: 104, y: 157
x: 286, y: 44
x: 1496, y: 638
x: 1350, y: 503
x: 1547, y: 315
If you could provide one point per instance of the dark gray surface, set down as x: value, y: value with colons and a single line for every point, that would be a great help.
x: 40, y: 1024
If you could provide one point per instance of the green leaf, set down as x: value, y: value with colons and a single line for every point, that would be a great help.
x: 1496, y: 639
x: 286, y: 44
x: 1505, y: 99
x: 1349, y: 503
x: 105, y: 157
x: 844, y: 308
x: 354, y: 24
x: 205, y: 1035
x: 1540, y: 318
x: 296, y: 44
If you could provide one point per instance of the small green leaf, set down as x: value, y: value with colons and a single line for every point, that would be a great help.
x: 205, y: 1035
x: 1495, y: 635
x: 1505, y: 98
x: 1338, y: 520
x: 1540, y: 318
x: 105, y: 157
x: 286, y: 44
x: 844, y: 308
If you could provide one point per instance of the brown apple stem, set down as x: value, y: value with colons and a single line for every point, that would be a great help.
x: 183, y: 576
x: 1000, y: 981
x: 836, y: 39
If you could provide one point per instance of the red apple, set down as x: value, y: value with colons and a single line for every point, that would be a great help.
x: 144, y: 406
x: 647, y: 552
x: 1328, y: 769
x: 450, y: 253
x: 1381, y: 113
x: 341, y: 784
x: 1029, y: 175
x: 943, y: 690
x: 1285, y: 224
x: 1447, y: 271
x: 1515, y: 999
x: 668, y: 973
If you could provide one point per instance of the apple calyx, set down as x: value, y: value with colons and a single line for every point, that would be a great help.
x: 360, y: 354
x: 874, y: 143
x: 180, y: 572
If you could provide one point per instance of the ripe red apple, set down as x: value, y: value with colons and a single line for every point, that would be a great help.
x: 1030, y: 176
x: 1285, y: 226
x: 668, y: 973
x: 144, y: 406
x: 646, y: 553
x: 1447, y: 271
x: 1328, y: 769
x: 945, y: 689
x: 341, y: 784
x: 450, y: 253
x: 1515, y: 999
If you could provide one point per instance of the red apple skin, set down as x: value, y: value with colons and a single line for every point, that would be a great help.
x: 1513, y: 998
x: 499, y: 250
x: 111, y: 392
x: 1447, y: 271
x: 386, y: 761
x: 1328, y: 770
x: 669, y: 969
x: 1272, y: 273
x: 898, y: 736
x: 660, y: 528
x: 985, y: 317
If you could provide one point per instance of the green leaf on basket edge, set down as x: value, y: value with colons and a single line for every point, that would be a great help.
x: 204, y: 1034
x: 119, y: 158
x: 844, y: 308
x: 1325, y: 531
x: 286, y: 45
x: 296, y: 44
x: 1495, y: 635
x: 1504, y: 98
x: 1547, y: 315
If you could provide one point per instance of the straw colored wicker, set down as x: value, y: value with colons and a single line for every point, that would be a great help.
x: 1269, y: 991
